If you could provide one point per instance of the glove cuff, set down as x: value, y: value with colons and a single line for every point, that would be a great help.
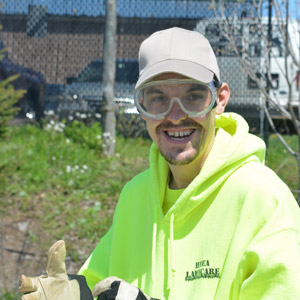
x: 85, y: 292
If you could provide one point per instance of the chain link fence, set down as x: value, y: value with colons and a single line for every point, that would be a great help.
x: 56, y: 47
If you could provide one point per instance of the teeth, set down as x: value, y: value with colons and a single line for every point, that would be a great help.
x: 180, y: 134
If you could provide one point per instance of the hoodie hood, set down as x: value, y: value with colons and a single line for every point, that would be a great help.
x: 233, y: 147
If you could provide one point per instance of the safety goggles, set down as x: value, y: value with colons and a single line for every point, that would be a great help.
x: 155, y: 99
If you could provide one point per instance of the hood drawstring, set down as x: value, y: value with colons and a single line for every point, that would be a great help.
x: 154, y: 237
x: 170, y: 257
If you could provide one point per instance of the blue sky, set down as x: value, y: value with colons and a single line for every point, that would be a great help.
x: 126, y: 8
x: 294, y: 8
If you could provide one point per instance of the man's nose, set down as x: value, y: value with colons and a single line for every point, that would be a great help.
x: 176, y: 115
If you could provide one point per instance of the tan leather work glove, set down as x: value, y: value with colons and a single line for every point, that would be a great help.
x: 55, y: 284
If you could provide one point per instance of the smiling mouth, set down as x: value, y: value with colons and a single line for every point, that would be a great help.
x: 179, y: 135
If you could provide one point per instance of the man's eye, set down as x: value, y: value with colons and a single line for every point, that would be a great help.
x: 158, y: 99
x: 196, y: 97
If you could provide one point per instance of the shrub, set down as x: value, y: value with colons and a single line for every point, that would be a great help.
x: 80, y: 133
x: 130, y: 125
x: 8, y: 97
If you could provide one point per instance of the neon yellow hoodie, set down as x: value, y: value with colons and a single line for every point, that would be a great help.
x: 232, y: 234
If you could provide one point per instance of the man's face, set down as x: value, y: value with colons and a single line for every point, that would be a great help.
x: 181, y: 139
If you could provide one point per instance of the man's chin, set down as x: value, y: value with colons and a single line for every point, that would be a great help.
x: 180, y: 158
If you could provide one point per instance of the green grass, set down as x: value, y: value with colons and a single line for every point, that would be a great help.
x: 281, y: 161
x: 62, y: 182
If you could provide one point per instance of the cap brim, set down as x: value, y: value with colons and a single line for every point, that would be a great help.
x: 183, y: 67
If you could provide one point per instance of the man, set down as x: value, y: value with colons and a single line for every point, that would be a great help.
x: 207, y: 220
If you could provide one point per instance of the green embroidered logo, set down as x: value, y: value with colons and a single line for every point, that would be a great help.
x: 203, y: 269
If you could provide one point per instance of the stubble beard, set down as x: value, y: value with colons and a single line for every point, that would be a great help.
x: 172, y: 157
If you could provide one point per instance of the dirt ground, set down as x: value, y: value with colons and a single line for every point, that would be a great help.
x: 19, y: 255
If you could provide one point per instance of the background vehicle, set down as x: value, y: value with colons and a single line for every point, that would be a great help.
x: 53, y: 95
x: 85, y: 91
x: 246, y: 98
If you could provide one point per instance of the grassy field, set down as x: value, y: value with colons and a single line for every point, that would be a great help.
x: 57, y: 179
x: 282, y: 162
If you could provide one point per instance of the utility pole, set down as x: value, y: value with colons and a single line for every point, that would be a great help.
x: 108, y: 78
x: 266, y: 126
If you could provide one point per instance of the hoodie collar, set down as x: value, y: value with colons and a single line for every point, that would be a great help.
x: 233, y: 147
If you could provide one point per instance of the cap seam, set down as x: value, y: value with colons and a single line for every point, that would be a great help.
x: 170, y: 48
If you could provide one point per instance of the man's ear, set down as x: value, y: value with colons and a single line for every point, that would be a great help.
x: 223, y: 97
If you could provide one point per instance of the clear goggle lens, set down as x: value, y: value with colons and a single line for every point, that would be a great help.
x: 156, y: 99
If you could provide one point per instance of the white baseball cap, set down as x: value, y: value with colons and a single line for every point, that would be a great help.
x: 177, y: 50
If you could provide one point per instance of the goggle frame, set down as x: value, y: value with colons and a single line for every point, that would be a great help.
x: 191, y: 114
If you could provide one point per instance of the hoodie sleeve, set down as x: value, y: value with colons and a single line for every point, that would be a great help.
x: 96, y: 266
x: 270, y: 269
x: 107, y: 259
